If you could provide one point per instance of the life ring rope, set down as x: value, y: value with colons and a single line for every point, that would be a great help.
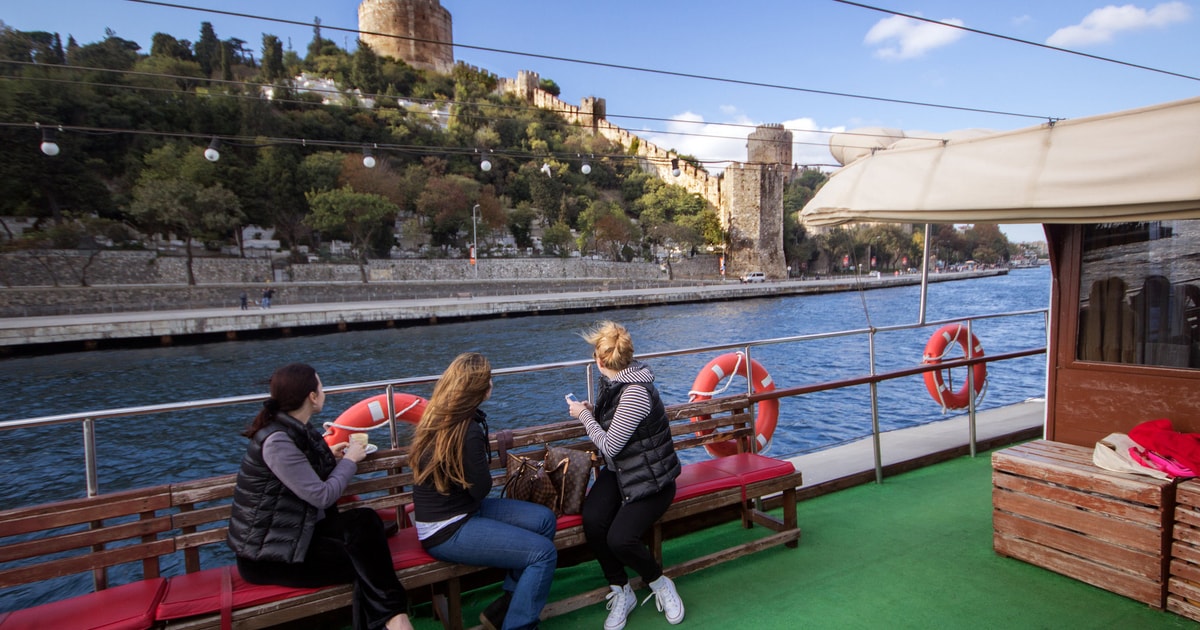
x: 331, y: 425
x: 728, y: 380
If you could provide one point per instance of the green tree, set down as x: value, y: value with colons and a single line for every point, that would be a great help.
x: 208, y: 50
x: 272, y: 59
x: 556, y: 239
x: 361, y: 215
x: 364, y: 70
x: 174, y: 194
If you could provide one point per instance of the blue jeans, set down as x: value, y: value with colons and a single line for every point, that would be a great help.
x: 513, y: 535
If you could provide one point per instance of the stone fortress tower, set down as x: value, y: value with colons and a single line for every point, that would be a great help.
x: 752, y: 203
x: 418, y: 19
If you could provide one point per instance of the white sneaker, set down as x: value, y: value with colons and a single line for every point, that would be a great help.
x: 620, y: 602
x: 667, y: 599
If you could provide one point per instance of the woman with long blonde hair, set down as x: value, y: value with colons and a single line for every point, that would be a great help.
x: 456, y: 521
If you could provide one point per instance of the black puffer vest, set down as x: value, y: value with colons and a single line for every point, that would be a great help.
x: 648, y: 462
x: 269, y: 522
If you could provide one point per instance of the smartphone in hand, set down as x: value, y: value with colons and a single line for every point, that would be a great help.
x: 572, y: 398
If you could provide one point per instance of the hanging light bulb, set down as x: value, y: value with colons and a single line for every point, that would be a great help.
x: 675, y: 167
x: 585, y: 168
x: 368, y: 157
x: 211, y: 153
x: 49, y: 143
x: 546, y: 168
x: 485, y: 164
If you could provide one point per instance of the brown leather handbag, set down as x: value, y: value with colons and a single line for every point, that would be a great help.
x: 527, y: 479
x: 571, y: 471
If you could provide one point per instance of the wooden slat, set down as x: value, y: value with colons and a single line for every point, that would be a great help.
x: 1139, y: 536
x: 1147, y: 564
x: 1185, y: 552
x: 1091, y: 501
x: 1098, y: 575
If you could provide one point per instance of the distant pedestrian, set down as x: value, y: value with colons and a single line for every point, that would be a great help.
x: 267, y: 294
x: 245, y: 299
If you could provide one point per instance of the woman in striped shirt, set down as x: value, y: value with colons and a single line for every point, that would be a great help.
x: 628, y: 425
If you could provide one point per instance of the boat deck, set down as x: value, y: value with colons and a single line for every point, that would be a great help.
x: 912, y: 552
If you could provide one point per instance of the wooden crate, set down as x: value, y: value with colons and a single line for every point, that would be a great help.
x: 1053, y: 508
x: 1183, y: 590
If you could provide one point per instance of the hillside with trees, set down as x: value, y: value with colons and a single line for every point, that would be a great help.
x: 136, y: 133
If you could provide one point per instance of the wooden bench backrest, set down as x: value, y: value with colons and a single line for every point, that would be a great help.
x: 90, y: 534
x: 147, y: 524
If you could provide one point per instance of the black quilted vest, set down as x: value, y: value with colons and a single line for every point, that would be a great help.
x: 269, y: 522
x: 648, y: 462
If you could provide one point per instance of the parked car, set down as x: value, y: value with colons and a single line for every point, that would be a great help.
x: 754, y: 276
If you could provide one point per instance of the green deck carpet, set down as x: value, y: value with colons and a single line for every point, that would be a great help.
x: 914, y: 552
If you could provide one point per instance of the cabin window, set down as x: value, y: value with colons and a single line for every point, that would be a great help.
x: 1140, y: 294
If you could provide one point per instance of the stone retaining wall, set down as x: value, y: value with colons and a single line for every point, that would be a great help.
x: 135, y: 281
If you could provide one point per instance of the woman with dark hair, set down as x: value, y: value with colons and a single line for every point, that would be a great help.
x: 635, y: 487
x: 286, y: 528
x: 455, y: 520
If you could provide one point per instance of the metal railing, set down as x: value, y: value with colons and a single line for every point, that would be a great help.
x: 871, y: 377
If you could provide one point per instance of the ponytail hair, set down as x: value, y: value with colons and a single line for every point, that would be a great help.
x: 612, y: 343
x: 290, y: 386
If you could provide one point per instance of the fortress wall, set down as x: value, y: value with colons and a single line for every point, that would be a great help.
x: 591, y: 114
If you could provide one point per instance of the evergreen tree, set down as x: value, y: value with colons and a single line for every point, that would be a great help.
x: 208, y: 49
x: 272, y: 59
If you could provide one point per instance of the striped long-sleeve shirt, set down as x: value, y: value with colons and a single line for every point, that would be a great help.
x: 633, y: 407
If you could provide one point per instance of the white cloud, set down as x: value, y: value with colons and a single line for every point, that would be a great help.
x: 899, y: 37
x: 719, y: 143
x: 1102, y: 25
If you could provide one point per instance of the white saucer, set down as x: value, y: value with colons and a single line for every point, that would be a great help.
x: 371, y: 448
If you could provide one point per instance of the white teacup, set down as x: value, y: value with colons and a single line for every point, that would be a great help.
x: 359, y: 438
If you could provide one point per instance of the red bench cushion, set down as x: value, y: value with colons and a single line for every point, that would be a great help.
x: 569, y: 520
x: 751, y: 467
x: 199, y: 593
x: 127, y: 607
x: 407, y: 550
x: 700, y: 478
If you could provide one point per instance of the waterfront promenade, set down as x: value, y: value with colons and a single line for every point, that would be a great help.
x: 90, y: 331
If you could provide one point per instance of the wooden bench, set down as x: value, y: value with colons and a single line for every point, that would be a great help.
x: 708, y: 492
x: 1053, y: 508
x: 183, y: 526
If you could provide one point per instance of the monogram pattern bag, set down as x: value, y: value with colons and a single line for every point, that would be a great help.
x: 527, y: 479
x: 571, y: 471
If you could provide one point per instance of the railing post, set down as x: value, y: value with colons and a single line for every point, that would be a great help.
x: 970, y: 390
x: 89, y: 457
x: 875, y: 437
x: 391, y: 415
x: 753, y: 408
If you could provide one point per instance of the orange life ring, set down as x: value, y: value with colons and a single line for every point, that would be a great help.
x: 935, y: 351
x: 727, y: 365
x: 370, y: 413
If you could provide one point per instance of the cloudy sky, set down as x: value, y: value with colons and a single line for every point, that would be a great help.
x: 697, y: 76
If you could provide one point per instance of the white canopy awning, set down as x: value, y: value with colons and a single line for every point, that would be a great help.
x: 1136, y: 165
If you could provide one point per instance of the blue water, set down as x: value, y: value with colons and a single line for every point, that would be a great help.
x: 161, y: 448
x: 46, y: 464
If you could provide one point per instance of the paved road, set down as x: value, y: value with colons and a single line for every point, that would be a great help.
x: 93, y: 330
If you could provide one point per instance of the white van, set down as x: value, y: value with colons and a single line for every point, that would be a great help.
x: 754, y: 276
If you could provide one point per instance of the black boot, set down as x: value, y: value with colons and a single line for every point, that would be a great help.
x: 492, y: 617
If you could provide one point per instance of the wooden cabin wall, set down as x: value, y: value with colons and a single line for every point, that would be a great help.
x: 1086, y: 400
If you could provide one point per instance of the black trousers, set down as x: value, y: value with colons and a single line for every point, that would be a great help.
x: 347, y: 547
x: 614, y: 529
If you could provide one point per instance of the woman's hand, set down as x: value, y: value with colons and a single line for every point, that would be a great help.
x: 574, y: 407
x: 351, y: 451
